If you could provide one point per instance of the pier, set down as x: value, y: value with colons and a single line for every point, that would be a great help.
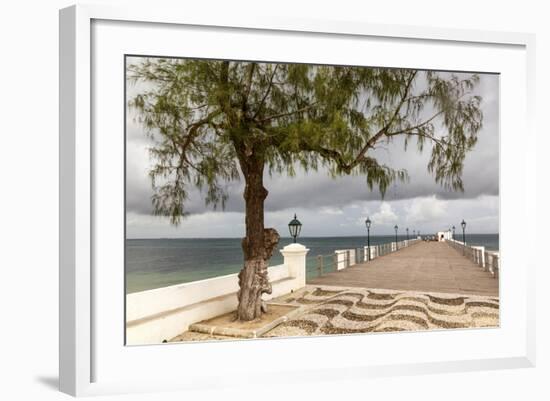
x: 404, y: 285
x: 425, y: 266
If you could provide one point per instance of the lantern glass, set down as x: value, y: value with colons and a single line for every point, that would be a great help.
x: 368, y: 222
x: 295, y: 227
x: 463, y: 224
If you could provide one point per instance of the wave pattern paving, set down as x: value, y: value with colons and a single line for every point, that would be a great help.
x: 349, y: 311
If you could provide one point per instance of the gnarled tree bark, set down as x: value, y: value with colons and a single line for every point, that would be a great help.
x: 258, y: 244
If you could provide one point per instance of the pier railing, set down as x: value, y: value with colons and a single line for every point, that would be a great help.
x: 344, y: 258
x: 489, y: 261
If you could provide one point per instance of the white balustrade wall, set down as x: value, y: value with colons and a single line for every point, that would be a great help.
x: 344, y: 258
x: 488, y: 260
x: 154, y: 316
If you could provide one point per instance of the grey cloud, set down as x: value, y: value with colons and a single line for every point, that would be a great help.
x: 316, y: 190
x: 425, y: 214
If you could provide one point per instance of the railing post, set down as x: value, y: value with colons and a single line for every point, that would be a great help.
x: 295, y: 259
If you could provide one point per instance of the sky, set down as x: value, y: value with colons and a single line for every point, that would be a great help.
x: 336, y: 207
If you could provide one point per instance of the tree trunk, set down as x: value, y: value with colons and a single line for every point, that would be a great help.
x: 258, y: 244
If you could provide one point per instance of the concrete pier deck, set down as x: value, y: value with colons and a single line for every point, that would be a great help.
x: 426, y: 266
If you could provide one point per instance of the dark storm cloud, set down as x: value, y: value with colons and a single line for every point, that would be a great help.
x: 316, y: 190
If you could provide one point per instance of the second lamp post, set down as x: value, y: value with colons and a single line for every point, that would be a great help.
x: 395, y: 228
x: 368, y: 223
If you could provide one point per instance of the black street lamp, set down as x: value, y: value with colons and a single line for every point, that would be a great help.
x: 453, y: 232
x: 463, y: 224
x: 395, y: 228
x: 368, y: 223
x: 294, y: 227
x: 407, y: 233
x: 414, y: 233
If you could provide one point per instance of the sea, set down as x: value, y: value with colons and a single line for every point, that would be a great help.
x: 155, y: 263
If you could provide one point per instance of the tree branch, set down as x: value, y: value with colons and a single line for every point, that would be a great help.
x: 285, y: 114
x: 266, y: 94
x: 416, y: 126
x: 438, y: 141
x: 383, y: 131
x: 248, y: 85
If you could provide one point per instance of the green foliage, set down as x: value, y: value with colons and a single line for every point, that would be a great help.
x: 208, y: 117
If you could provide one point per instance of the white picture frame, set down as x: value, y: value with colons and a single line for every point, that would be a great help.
x: 92, y: 360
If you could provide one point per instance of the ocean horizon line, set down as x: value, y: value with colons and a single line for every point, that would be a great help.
x: 159, y: 262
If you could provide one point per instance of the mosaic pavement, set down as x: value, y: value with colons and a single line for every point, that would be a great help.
x: 346, y: 311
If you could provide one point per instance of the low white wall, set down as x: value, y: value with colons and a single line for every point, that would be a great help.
x: 492, y: 263
x: 479, y: 257
x: 342, y: 254
x: 373, y: 253
x: 488, y: 260
x: 160, y: 314
x: 343, y: 259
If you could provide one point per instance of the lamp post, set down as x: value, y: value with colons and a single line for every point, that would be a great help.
x: 395, y: 228
x: 407, y: 233
x: 463, y: 224
x: 368, y: 223
x: 294, y: 227
x: 453, y: 232
x: 414, y: 234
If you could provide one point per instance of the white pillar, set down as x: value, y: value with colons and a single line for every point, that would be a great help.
x: 480, y: 259
x: 351, y: 257
x: 340, y: 259
x: 295, y: 259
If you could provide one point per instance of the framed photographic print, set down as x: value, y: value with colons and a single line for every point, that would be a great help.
x: 346, y: 196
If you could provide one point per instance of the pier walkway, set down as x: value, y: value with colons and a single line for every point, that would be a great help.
x: 426, y: 266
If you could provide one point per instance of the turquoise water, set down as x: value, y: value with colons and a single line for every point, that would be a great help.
x: 155, y: 263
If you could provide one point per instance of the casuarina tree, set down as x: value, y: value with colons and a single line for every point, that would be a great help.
x: 217, y: 121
